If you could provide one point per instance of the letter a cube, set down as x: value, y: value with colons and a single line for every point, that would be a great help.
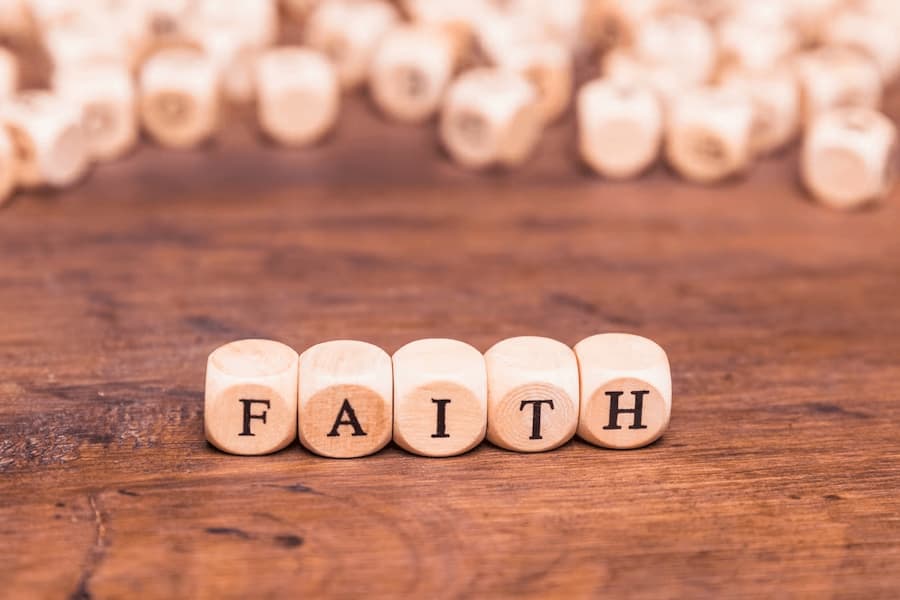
x: 345, y: 399
x: 251, y: 397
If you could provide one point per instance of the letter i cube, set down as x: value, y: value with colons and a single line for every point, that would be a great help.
x: 345, y: 399
x: 251, y: 397
x: 532, y: 394
x: 440, y: 397
x: 626, y: 390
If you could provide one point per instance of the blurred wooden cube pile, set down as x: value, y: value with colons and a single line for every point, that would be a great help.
x: 708, y: 85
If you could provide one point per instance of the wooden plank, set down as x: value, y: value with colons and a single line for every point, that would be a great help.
x: 779, y: 476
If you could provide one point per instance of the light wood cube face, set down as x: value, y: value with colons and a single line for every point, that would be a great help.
x: 833, y: 77
x: 848, y: 157
x: 251, y: 397
x: 626, y: 390
x: 745, y: 44
x: 490, y: 118
x: 79, y: 44
x: 9, y: 74
x: 179, y: 97
x: 348, y: 32
x: 869, y: 33
x: 345, y: 399
x: 410, y: 72
x: 709, y: 135
x: 235, y: 62
x: 440, y: 397
x: 623, y: 67
x: 775, y: 96
x: 49, y: 143
x: 679, y: 42
x: 106, y: 97
x: 298, y: 96
x: 532, y: 394
x: 549, y: 67
x: 251, y: 22
x: 620, y: 127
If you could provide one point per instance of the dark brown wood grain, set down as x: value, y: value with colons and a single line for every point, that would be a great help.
x: 779, y: 475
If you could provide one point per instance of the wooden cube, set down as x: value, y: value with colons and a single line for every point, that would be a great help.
x: 164, y: 24
x: 253, y: 22
x: 48, y: 139
x: 348, y: 32
x: 9, y: 74
x: 775, y: 97
x: 624, y: 67
x: 744, y: 44
x: 626, y: 390
x: 105, y: 95
x: 235, y: 61
x: 620, y: 127
x: 9, y: 168
x: 834, y: 77
x: 411, y: 70
x: 86, y: 42
x: 251, y: 397
x: 491, y: 118
x: 345, y: 399
x: 298, y: 95
x: 179, y: 97
x: 709, y: 134
x: 440, y: 397
x: 678, y: 42
x: 532, y: 394
x: 614, y: 23
x: 550, y: 68
x: 869, y: 33
x: 810, y: 17
x: 849, y: 157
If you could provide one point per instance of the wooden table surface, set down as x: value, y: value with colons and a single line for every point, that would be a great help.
x: 779, y: 475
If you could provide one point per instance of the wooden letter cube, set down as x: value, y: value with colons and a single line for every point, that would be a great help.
x: 775, y: 97
x: 835, y: 77
x: 106, y: 96
x: 708, y: 136
x: 620, y: 127
x: 848, y: 157
x: 532, y: 394
x: 348, y: 33
x: 872, y: 34
x: 298, y: 96
x: 48, y: 139
x: 491, y: 118
x: 251, y: 397
x: 411, y: 71
x: 626, y: 390
x: 179, y: 97
x: 679, y: 42
x: 440, y: 397
x: 549, y: 66
x: 345, y: 399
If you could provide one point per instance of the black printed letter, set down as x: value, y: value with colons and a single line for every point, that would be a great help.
x: 637, y: 411
x: 441, y: 418
x: 248, y: 405
x: 350, y: 420
x: 536, y: 416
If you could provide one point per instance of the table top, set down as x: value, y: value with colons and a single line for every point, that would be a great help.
x: 779, y: 475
